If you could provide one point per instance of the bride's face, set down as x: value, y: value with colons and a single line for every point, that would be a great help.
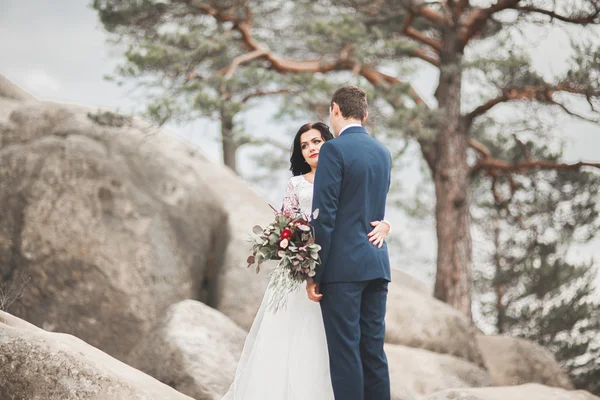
x: 310, y: 144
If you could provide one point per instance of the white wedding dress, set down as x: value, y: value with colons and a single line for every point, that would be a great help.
x: 285, y: 355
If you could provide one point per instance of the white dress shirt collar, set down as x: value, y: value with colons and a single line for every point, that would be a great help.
x: 349, y: 126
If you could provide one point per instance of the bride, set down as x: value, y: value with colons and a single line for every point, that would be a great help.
x: 285, y: 355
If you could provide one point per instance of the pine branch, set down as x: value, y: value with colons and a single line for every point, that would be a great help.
x: 244, y: 140
x: 342, y: 63
x: 384, y: 81
x: 435, y: 17
x: 480, y: 147
x: 369, y: 7
x: 264, y: 93
x: 226, y: 14
x: 592, y: 18
x: 295, y: 66
x: 478, y: 17
x: 523, y: 147
x: 526, y: 166
x: 387, y: 20
x: 244, y: 58
x: 500, y: 203
x: 574, y: 114
x: 422, y: 54
x: 421, y: 37
x: 493, y: 166
x: 414, y: 34
x: 434, y: 46
x: 487, y: 106
x: 542, y: 93
x: 461, y: 7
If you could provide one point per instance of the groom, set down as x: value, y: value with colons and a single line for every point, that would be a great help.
x: 350, y: 190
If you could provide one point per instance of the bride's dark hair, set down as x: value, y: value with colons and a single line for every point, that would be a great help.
x: 298, y: 164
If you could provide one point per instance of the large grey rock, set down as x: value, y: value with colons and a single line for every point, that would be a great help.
x: 240, y: 290
x: 194, y: 349
x: 407, y: 280
x: 531, y: 391
x: 10, y: 91
x: 415, y: 319
x: 143, y: 216
x: 514, y: 361
x: 416, y: 372
x: 11, y: 96
x: 38, y: 365
x: 111, y: 220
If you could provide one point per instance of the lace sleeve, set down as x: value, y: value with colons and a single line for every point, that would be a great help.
x: 385, y: 221
x: 290, y: 200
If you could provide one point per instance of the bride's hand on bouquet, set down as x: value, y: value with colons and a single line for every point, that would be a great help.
x: 380, y: 231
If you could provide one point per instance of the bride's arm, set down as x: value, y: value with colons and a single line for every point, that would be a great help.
x: 389, y: 224
x: 380, y: 231
x: 290, y: 200
x: 381, y: 228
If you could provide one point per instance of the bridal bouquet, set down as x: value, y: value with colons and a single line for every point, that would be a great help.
x: 290, y: 240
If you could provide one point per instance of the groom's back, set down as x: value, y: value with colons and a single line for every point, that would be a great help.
x: 362, y: 198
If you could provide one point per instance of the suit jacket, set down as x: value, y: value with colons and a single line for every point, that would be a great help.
x: 350, y: 190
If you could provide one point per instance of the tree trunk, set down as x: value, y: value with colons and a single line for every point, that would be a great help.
x: 228, y: 140
x: 498, y: 283
x: 453, y: 283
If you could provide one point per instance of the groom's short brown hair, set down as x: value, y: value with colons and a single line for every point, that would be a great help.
x: 352, y: 101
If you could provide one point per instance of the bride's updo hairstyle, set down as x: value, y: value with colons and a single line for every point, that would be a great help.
x: 298, y: 164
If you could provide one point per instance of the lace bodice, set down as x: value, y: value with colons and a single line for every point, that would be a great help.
x: 298, y: 195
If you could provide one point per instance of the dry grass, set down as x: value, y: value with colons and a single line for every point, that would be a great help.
x: 12, y: 291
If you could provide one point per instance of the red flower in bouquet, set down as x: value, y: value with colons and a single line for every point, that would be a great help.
x: 286, y: 233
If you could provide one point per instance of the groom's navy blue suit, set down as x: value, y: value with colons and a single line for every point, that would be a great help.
x: 350, y: 191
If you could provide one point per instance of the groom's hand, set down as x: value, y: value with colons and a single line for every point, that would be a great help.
x: 312, y: 289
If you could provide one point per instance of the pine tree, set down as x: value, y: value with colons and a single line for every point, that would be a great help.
x: 186, y: 64
x: 525, y: 283
x: 465, y: 40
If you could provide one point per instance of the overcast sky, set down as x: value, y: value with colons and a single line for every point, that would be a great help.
x: 56, y: 51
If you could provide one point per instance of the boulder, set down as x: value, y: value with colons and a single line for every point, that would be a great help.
x: 417, y: 372
x: 10, y: 96
x: 407, y: 280
x: 240, y: 290
x: 513, y: 361
x: 10, y: 91
x: 418, y: 320
x: 194, y: 349
x: 530, y: 391
x: 39, y: 365
x: 108, y: 220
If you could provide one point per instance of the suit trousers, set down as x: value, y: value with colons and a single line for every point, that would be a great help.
x: 354, y: 318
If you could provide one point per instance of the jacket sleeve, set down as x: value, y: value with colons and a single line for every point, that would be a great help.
x: 328, y: 181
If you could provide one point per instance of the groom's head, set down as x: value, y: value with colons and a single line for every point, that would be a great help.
x: 348, y: 106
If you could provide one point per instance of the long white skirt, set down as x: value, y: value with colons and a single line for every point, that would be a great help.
x: 285, y: 355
